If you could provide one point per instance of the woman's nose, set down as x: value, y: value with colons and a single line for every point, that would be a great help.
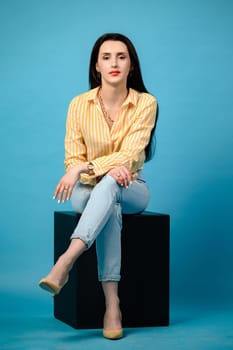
x: 114, y: 62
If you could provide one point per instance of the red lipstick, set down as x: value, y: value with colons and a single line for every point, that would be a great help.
x: 114, y: 72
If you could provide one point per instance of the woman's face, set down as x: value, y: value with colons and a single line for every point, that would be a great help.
x: 113, y: 63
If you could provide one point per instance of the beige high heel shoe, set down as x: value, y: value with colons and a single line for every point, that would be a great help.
x: 115, y: 333
x: 51, y: 287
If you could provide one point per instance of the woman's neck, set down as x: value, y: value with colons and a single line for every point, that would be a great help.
x: 113, y: 95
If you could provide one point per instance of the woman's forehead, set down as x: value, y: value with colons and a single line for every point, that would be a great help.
x: 113, y: 46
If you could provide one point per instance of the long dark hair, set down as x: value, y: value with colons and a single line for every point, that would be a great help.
x: 134, y: 79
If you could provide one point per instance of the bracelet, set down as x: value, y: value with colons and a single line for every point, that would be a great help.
x: 90, y: 168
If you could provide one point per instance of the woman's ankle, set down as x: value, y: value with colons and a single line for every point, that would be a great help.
x: 60, y: 271
x: 112, y: 318
x: 66, y: 262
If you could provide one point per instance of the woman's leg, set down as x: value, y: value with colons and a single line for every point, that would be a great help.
x: 112, y: 316
x: 59, y: 273
x: 108, y: 242
x: 97, y: 205
x: 108, y: 247
x: 58, y: 276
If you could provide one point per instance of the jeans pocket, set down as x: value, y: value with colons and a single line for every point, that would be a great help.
x: 140, y: 180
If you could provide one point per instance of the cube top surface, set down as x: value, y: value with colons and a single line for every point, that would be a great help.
x: 144, y: 213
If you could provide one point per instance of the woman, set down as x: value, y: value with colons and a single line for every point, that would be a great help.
x: 108, y: 138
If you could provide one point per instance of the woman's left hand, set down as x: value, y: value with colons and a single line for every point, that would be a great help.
x: 66, y: 184
x: 122, y: 175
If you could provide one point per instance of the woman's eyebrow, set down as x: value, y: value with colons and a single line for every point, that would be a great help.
x: 118, y: 53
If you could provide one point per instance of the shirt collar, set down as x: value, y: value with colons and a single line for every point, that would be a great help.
x: 132, y: 97
x: 92, y: 95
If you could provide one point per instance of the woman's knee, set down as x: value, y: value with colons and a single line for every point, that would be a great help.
x: 136, y: 198
x: 107, y: 184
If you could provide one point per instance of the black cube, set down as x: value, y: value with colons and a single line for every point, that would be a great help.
x: 144, y: 285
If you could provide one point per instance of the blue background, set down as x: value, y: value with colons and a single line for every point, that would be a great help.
x: 186, y: 54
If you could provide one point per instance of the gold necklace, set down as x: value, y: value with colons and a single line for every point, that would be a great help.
x: 105, y: 113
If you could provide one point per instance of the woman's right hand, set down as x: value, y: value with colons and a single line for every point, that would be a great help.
x: 66, y: 184
x: 122, y: 175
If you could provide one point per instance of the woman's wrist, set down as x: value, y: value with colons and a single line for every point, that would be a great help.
x: 85, y: 167
x: 90, y: 168
x: 79, y: 168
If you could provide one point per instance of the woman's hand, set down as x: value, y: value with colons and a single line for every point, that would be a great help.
x: 66, y: 184
x: 122, y: 175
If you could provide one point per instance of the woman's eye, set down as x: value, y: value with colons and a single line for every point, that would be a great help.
x: 122, y: 57
x: 105, y: 57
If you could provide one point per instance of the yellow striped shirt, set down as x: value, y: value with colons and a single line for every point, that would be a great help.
x: 89, y: 138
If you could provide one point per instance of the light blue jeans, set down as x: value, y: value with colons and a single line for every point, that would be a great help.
x: 101, y: 220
